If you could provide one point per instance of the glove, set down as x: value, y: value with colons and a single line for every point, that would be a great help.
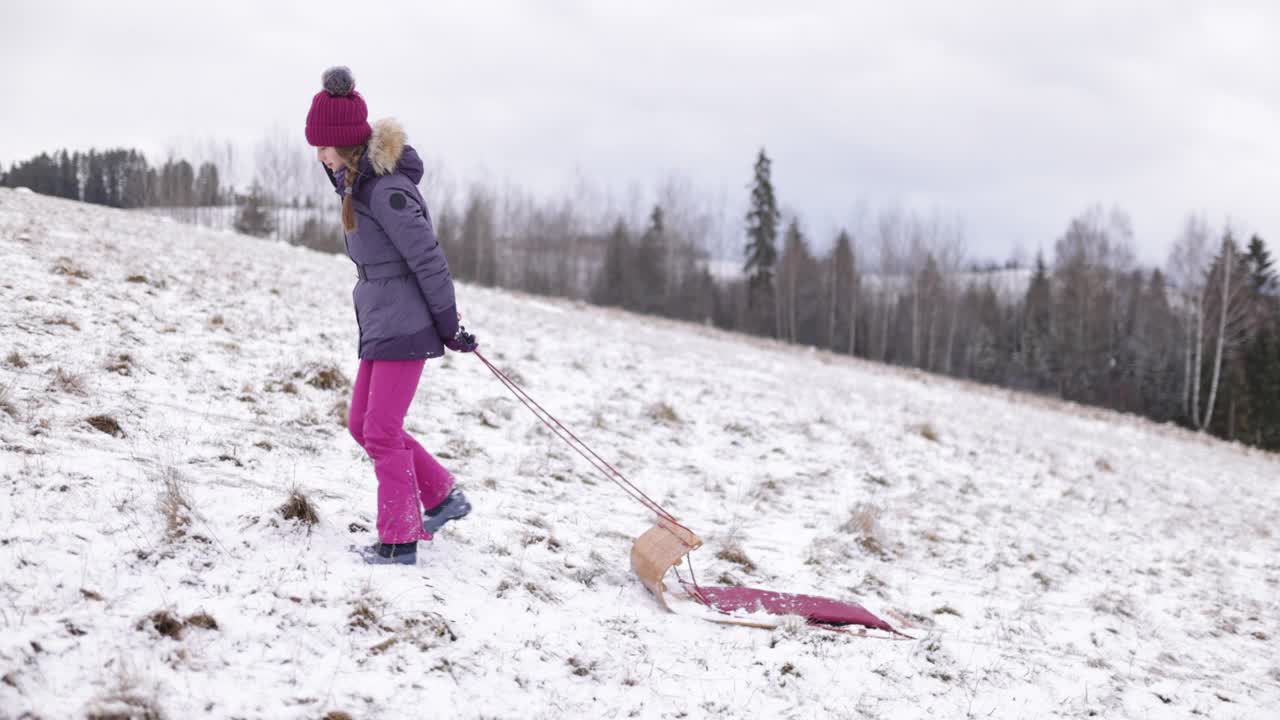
x: 462, y: 341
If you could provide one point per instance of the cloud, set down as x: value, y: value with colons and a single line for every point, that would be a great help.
x: 1013, y: 115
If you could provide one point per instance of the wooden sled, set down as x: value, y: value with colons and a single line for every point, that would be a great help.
x: 665, y: 545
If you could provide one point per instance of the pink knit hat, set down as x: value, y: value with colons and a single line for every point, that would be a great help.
x: 338, y: 116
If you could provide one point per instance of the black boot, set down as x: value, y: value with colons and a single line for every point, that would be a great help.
x: 451, y: 508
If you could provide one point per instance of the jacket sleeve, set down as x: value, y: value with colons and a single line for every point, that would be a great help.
x: 395, y: 207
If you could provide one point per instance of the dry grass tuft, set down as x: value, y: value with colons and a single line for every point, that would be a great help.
x: 171, y: 626
x: 337, y: 715
x: 174, y: 504
x: 663, y: 413
x: 541, y: 593
x: 864, y: 525
x: 202, y: 620
x: 504, y: 585
x: 15, y: 359
x: 121, y: 364
x: 125, y: 701
x: 62, y: 320
x: 928, y: 433
x: 164, y: 623
x: 581, y: 668
x: 733, y: 552
x: 1115, y: 603
x: 67, y: 266
x: 874, y: 479
x: 366, y: 610
x: 6, y: 404
x: 217, y: 321
x: 728, y: 579
x: 326, y: 378
x: 67, y: 382
x: 460, y: 447
x: 299, y: 507
x: 424, y: 632
x: 106, y: 424
x: 362, y: 616
x: 341, y: 412
x: 137, y: 279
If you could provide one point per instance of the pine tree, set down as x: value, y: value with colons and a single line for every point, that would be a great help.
x: 842, y: 315
x: 68, y: 180
x: 254, y: 218
x: 207, y: 187
x: 95, y: 183
x: 134, y: 192
x: 761, y: 251
x: 477, y: 260
x: 611, y: 283
x: 1262, y: 353
x: 1157, y: 363
x: 111, y: 163
x: 1261, y: 274
x: 1036, y: 347
x: 647, y: 287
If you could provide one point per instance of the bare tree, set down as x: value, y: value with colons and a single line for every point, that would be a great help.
x: 891, y: 227
x: 951, y: 253
x: 1090, y: 256
x: 279, y: 161
x: 1187, y: 267
x: 1228, y: 282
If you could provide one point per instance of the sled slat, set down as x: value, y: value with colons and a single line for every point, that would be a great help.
x: 659, y: 549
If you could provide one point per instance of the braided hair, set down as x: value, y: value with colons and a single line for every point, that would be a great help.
x: 351, y: 155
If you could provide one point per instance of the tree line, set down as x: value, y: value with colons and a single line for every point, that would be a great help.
x: 1196, y: 342
x: 198, y: 192
x: 119, y: 178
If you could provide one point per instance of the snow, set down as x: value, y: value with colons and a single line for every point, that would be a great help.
x: 1051, y: 560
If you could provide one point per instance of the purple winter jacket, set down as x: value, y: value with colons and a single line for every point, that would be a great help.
x: 403, y: 297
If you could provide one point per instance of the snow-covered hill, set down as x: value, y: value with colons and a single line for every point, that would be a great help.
x: 163, y: 390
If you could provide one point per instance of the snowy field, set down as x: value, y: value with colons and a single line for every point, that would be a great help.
x: 163, y: 390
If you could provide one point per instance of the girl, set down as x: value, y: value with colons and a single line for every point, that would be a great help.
x: 405, y: 310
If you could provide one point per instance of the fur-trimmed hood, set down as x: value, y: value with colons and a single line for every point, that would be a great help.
x: 386, y: 152
x: 386, y: 146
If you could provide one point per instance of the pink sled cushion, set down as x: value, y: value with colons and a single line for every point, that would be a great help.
x: 817, y: 609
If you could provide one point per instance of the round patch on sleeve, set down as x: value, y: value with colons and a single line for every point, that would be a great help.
x: 398, y: 201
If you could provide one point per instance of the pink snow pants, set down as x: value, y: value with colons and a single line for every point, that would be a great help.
x: 409, y: 479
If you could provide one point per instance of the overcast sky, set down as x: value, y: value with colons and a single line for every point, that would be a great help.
x: 1013, y: 116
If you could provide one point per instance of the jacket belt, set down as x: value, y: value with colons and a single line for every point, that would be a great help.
x: 381, y: 271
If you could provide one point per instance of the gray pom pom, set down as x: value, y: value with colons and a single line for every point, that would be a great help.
x: 338, y: 80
